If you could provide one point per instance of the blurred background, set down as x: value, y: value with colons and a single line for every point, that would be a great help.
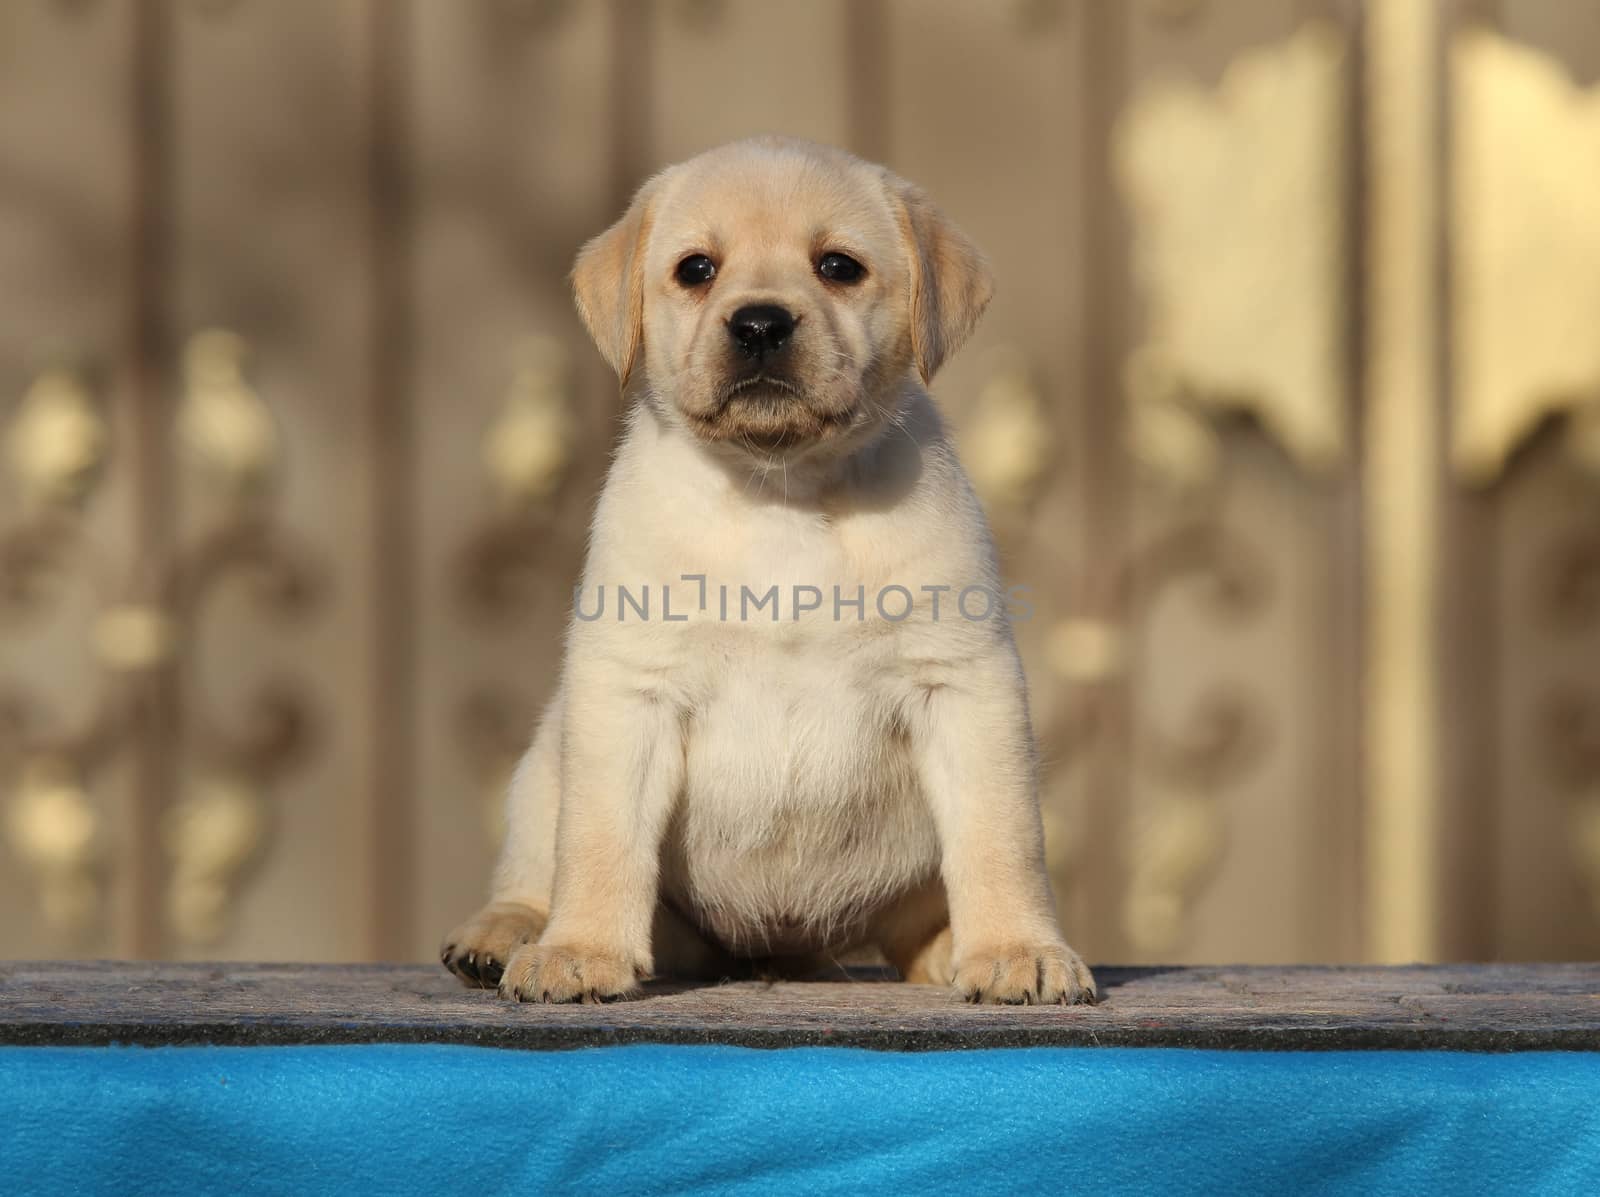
x: 1287, y: 412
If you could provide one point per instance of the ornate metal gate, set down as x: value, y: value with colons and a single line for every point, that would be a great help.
x: 1288, y: 413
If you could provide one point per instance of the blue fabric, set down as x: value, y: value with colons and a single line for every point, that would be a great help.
x: 403, y: 1119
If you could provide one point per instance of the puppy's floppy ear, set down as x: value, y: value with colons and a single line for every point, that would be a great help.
x: 608, y: 282
x: 951, y: 282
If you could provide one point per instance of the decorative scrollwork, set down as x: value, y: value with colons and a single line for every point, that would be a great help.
x: 1217, y: 747
x: 1176, y: 848
x: 1179, y: 842
x: 503, y: 578
x: 1239, y: 253
x: 56, y: 449
x: 223, y: 424
x: 504, y: 569
x: 1085, y: 651
x: 1526, y: 253
x: 1237, y: 581
x: 30, y: 732
x: 32, y: 553
x: 501, y: 574
x: 53, y: 827
x: 211, y: 835
x: 221, y: 825
x: 1008, y: 446
x: 131, y: 637
x: 1179, y: 839
x: 527, y: 449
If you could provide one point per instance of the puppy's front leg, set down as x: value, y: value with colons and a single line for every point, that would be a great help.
x: 974, y: 753
x: 622, y: 767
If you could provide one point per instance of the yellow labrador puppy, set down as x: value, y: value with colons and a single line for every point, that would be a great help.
x: 791, y: 718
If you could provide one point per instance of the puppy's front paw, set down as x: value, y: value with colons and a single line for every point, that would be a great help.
x: 567, y: 973
x: 1025, y: 974
x: 477, y: 950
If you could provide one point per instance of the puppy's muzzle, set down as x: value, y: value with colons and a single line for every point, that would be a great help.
x: 760, y: 330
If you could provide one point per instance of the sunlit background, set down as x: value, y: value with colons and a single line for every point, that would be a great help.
x: 1287, y: 413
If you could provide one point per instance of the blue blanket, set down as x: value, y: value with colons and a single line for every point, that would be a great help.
x: 404, y: 1119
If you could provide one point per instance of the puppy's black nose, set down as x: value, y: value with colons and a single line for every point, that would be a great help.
x: 760, y: 328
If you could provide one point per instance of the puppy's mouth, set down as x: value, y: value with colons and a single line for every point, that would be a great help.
x: 758, y: 388
x: 768, y: 413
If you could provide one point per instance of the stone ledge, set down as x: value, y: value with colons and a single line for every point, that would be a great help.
x: 1448, y: 1007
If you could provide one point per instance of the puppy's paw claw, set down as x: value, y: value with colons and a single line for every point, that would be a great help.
x: 567, y: 973
x: 477, y: 951
x: 1025, y: 975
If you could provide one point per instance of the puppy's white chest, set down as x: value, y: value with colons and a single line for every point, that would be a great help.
x: 778, y: 728
x: 801, y: 816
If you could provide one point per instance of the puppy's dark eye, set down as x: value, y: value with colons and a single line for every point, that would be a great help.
x: 696, y: 270
x: 840, y: 268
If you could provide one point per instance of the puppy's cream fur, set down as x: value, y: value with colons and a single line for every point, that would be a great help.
x: 704, y: 792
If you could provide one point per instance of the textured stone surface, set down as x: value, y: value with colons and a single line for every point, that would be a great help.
x: 1479, y: 1008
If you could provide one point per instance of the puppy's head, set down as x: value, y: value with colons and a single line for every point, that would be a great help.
x: 777, y: 293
